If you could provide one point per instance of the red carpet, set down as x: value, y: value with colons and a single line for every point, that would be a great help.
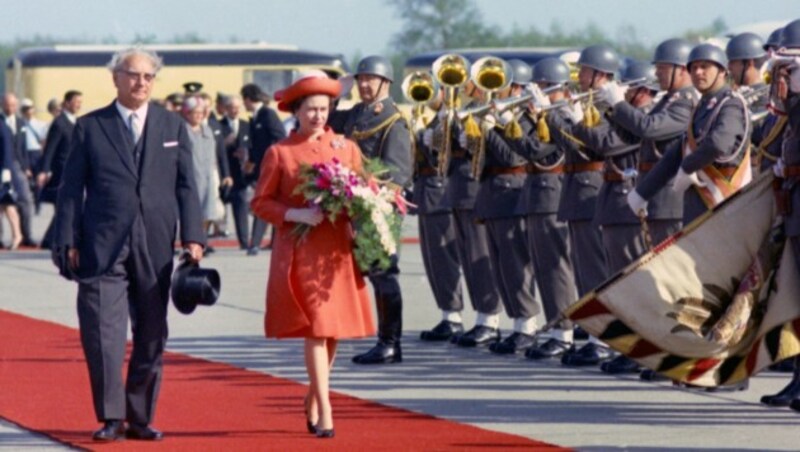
x: 44, y: 387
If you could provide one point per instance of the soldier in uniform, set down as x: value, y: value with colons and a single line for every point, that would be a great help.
x: 472, y: 241
x: 437, y: 233
x: 382, y: 133
x: 585, y: 167
x: 714, y: 146
x: 548, y: 237
x: 787, y: 172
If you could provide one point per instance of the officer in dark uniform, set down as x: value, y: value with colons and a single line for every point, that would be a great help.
x: 746, y: 55
x: 787, y: 170
x: 236, y: 136
x: 715, y: 143
x: 382, y: 133
x: 584, y: 165
x: 472, y: 240
x: 437, y: 233
x: 548, y: 237
x: 502, y: 179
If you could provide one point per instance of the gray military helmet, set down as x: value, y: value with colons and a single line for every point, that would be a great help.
x: 551, y: 70
x: 708, y: 52
x: 640, y: 69
x: 790, y: 37
x: 521, y: 72
x: 774, y: 40
x: 673, y: 51
x: 745, y: 46
x: 600, y: 58
x: 376, y: 65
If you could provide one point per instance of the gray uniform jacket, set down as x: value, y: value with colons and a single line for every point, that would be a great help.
x: 721, y: 147
x: 383, y: 135
x: 663, y: 126
x: 579, y: 189
x: 764, y: 152
x: 542, y: 191
x: 429, y: 187
x: 499, y: 194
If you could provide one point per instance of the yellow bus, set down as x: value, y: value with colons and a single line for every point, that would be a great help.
x: 41, y: 74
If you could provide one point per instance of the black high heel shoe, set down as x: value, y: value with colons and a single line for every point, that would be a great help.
x: 325, y: 433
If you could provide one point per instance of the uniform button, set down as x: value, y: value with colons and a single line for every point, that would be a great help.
x: 625, y: 190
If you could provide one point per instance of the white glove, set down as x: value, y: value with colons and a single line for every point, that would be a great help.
x: 462, y: 140
x: 5, y: 176
x: 540, y: 99
x: 506, y: 117
x: 427, y: 138
x: 794, y: 76
x: 573, y: 112
x: 779, y: 168
x: 612, y: 93
x: 489, y: 121
x: 684, y: 180
x: 637, y: 203
x: 309, y: 215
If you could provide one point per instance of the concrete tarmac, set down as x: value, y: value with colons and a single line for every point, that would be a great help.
x: 579, y: 408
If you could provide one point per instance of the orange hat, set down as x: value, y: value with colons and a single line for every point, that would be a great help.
x: 309, y: 83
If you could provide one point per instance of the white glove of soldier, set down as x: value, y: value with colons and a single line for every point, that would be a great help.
x: 540, y: 99
x: 794, y: 75
x: 462, y: 140
x: 5, y: 176
x: 506, y: 117
x: 779, y: 168
x: 684, y: 180
x: 637, y: 203
x: 572, y: 112
x: 489, y: 121
x: 612, y: 93
x: 309, y: 215
x: 427, y: 138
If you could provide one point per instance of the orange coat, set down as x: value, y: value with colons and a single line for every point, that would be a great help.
x: 315, y: 288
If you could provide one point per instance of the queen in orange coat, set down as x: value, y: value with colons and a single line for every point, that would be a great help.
x: 315, y: 290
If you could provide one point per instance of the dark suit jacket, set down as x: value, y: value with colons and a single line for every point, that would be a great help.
x: 266, y: 129
x: 56, y: 148
x: 18, y: 141
x: 101, y: 165
x: 242, y: 141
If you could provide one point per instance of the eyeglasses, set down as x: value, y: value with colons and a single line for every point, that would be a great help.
x: 146, y: 76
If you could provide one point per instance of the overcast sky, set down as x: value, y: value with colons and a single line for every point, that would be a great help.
x: 358, y: 26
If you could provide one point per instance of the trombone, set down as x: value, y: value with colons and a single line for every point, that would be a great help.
x: 490, y: 75
x: 419, y: 88
x: 451, y: 72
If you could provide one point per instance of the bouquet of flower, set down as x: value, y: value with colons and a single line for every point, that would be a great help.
x: 370, y: 205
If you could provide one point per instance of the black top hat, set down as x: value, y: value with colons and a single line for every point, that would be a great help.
x: 192, y: 285
x: 192, y: 87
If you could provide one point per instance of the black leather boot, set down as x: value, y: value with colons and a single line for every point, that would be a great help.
x: 786, y: 395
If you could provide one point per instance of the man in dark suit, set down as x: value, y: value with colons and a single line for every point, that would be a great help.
x: 55, y: 155
x: 130, y: 181
x: 236, y: 134
x: 266, y: 129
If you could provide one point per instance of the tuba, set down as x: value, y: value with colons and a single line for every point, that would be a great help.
x: 451, y: 71
x: 490, y: 75
x: 419, y: 88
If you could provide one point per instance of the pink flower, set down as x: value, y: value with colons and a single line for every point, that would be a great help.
x: 323, y: 183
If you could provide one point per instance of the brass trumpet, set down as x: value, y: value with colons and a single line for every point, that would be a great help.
x: 501, y: 105
x: 490, y: 75
x: 451, y: 72
x: 419, y: 88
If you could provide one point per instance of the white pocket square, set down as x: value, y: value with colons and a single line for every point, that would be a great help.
x: 170, y: 144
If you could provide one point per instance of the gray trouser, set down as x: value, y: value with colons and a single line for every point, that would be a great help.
x: 624, y: 243
x: 588, y: 255
x: 513, y: 266
x: 130, y: 288
x: 548, y: 240
x: 437, y: 240
x: 472, y: 240
x: 661, y: 229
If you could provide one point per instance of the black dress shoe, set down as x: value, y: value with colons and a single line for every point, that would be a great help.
x: 785, y: 396
x: 553, y: 348
x: 478, y: 335
x: 381, y: 353
x: 651, y: 375
x: 143, y: 433
x: 510, y: 345
x: 795, y: 405
x: 325, y: 433
x: 111, y: 431
x: 787, y: 365
x: 442, y: 332
x: 252, y: 251
x: 579, y: 334
x: 620, y: 365
x: 590, y: 354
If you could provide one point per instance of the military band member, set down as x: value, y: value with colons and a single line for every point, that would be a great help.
x: 584, y: 167
x: 707, y: 166
x: 548, y: 237
x: 472, y: 240
x: 382, y: 133
x: 437, y: 232
x: 787, y: 170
